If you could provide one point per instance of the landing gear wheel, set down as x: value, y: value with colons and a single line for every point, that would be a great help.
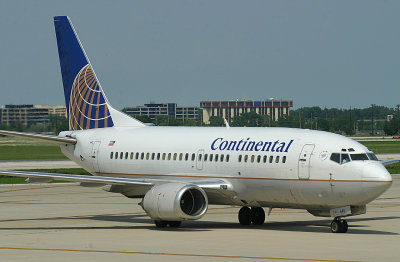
x: 160, y: 223
x: 345, y: 226
x: 174, y: 223
x: 244, y: 216
x: 339, y: 226
x: 257, y: 215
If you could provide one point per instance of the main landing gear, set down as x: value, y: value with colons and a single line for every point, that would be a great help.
x: 339, y: 225
x: 161, y: 223
x: 255, y: 215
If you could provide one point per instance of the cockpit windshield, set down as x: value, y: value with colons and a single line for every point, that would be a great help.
x: 342, y: 158
x: 372, y: 156
x: 359, y: 157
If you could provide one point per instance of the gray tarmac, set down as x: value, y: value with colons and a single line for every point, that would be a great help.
x: 66, y: 222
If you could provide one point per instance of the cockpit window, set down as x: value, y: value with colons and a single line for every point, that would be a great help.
x: 372, y: 156
x: 360, y: 157
x: 335, y: 157
x: 345, y: 158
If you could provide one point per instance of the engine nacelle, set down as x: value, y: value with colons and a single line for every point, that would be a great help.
x: 175, y: 202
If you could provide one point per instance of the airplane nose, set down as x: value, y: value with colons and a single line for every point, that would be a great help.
x: 376, y: 179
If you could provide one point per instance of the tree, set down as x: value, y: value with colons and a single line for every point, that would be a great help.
x: 391, y: 127
x: 216, y: 121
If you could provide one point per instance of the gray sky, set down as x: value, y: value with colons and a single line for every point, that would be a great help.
x: 324, y: 53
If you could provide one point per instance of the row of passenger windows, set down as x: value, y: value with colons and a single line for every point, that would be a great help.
x: 207, y: 157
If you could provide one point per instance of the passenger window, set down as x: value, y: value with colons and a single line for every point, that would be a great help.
x: 227, y: 158
x: 205, y: 157
x: 158, y: 156
x: 186, y: 157
x: 126, y: 155
x: 345, y: 158
x: 200, y: 156
x: 121, y: 155
x: 277, y: 159
x: 335, y: 157
x: 265, y: 159
x: 222, y: 158
x: 163, y: 156
x: 175, y: 155
x: 271, y: 158
x: 111, y: 155
x: 153, y: 155
x: 132, y: 155
x: 193, y: 157
x: 169, y: 156
x: 284, y: 159
x: 137, y: 156
x: 147, y: 156
x: 240, y: 158
x: 180, y: 157
x: 216, y: 158
x: 258, y: 159
x: 245, y: 158
x: 211, y: 157
x: 142, y: 156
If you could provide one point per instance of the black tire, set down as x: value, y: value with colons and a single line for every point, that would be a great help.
x: 160, y: 223
x: 174, y: 223
x: 257, y: 215
x: 336, y: 226
x: 244, y: 216
x: 345, y: 226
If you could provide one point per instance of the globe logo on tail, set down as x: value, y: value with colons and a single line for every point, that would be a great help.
x: 87, y: 106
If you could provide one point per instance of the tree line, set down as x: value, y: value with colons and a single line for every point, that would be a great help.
x: 345, y: 121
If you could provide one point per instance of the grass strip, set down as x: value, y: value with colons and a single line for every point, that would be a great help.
x: 380, y: 147
x: 30, y: 152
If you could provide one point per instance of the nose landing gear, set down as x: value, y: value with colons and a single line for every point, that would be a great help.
x: 255, y: 215
x: 339, y: 226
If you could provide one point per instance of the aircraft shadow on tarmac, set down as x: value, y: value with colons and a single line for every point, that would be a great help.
x: 316, y: 226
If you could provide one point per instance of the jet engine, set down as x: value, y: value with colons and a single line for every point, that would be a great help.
x: 175, y: 202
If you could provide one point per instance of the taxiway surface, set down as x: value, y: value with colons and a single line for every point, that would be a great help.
x: 65, y: 222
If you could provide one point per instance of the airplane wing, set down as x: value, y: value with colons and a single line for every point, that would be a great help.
x: 38, y: 176
x: 388, y: 162
x: 56, y: 139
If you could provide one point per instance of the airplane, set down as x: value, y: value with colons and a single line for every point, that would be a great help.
x: 179, y: 171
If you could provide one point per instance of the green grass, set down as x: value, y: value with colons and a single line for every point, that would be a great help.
x: 21, y: 180
x: 30, y: 152
x: 394, y: 168
x: 379, y: 147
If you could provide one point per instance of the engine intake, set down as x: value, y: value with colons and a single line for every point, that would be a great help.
x: 175, y: 202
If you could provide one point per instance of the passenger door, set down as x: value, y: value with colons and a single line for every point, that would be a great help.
x: 94, y: 155
x: 304, y: 161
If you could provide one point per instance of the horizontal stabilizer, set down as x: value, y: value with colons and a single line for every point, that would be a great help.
x: 50, y: 138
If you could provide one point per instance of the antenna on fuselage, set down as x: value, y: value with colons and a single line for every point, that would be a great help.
x: 226, y: 124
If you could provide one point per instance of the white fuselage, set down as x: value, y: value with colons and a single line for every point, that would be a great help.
x: 269, y: 167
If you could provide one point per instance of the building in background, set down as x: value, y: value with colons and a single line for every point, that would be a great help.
x: 59, y: 110
x: 152, y: 110
x: 29, y: 114
x: 230, y: 109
